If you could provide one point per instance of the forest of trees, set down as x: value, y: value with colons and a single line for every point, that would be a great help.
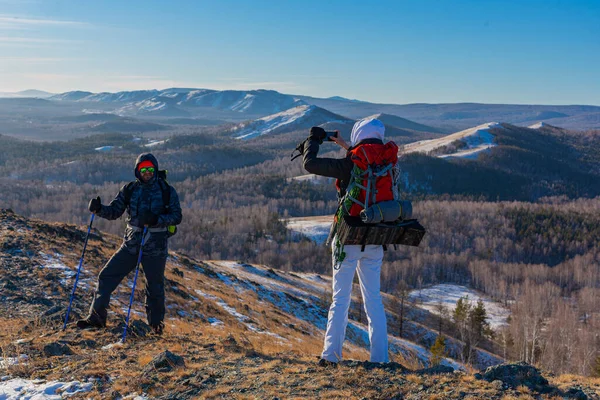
x: 541, y: 259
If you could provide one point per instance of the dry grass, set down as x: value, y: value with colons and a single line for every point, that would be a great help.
x: 228, y: 361
x: 418, y: 379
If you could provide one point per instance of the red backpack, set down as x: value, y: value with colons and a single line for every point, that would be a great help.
x: 372, y: 179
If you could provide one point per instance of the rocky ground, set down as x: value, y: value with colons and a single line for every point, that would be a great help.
x: 207, y: 351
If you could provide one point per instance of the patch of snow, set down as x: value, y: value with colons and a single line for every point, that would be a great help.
x: 215, y: 322
x: 449, y: 294
x: 477, y: 139
x: 92, y: 111
x: 112, y: 345
x: 135, y: 396
x: 104, y: 148
x: 18, y: 388
x: 316, y: 229
x: 312, y: 178
x: 155, y: 143
x: 206, y: 295
x: 537, y: 125
x: 10, y: 361
x: 51, y: 262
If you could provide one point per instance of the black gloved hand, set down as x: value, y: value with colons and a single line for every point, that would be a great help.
x: 317, y: 133
x: 149, y: 218
x: 95, y: 205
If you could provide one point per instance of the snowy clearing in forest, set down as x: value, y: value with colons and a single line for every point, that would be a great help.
x: 449, y: 294
x: 315, y: 228
x: 312, y: 178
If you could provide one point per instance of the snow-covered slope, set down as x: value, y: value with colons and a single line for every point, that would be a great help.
x: 297, y: 118
x: 464, y: 144
x: 157, y: 105
x: 76, y: 95
x: 297, y: 294
x: 448, y: 294
x: 127, y: 96
x: 249, y: 102
x: 537, y: 125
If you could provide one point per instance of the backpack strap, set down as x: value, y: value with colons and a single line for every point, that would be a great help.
x: 166, y: 192
x: 128, y: 191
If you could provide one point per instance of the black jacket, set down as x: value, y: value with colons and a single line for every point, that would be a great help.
x: 145, y: 197
x: 339, y: 168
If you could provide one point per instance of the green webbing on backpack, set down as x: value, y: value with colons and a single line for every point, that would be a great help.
x: 351, y: 196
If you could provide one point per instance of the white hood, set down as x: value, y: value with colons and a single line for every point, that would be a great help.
x: 368, y: 128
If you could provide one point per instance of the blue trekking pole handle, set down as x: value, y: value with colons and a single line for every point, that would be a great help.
x: 137, y: 269
x: 78, y: 271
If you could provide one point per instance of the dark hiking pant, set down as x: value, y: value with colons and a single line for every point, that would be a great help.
x: 117, y: 268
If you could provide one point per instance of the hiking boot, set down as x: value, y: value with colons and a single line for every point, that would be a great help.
x: 94, y: 320
x: 89, y: 323
x: 327, y: 364
x: 158, y: 329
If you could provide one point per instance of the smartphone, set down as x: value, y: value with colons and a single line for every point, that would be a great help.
x: 330, y: 134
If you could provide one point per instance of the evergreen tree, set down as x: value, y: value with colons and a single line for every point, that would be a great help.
x: 478, y: 318
x: 438, y: 350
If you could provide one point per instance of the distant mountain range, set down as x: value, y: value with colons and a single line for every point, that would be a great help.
x: 239, y: 105
x: 175, y: 101
x: 27, y: 93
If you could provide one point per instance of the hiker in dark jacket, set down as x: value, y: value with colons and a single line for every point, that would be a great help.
x: 367, y: 261
x: 144, y: 201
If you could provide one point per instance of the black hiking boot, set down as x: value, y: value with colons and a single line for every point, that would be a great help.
x: 89, y: 323
x: 158, y: 329
x: 327, y: 364
x: 94, y: 320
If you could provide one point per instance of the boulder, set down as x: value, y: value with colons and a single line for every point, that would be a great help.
x: 164, y: 362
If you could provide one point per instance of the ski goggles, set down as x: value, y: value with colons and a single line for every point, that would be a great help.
x: 147, y: 169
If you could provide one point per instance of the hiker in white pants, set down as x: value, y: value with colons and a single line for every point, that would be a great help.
x: 368, y: 264
x: 368, y: 132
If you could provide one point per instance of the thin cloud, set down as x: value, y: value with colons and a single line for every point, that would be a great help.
x: 16, y: 21
x: 137, y: 77
x: 51, y: 77
x: 142, y: 84
x: 268, y: 85
x: 26, y: 40
x: 36, y: 60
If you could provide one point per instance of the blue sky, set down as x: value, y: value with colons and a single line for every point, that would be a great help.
x: 522, y: 52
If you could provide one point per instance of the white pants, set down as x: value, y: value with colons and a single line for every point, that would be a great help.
x: 369, y: 271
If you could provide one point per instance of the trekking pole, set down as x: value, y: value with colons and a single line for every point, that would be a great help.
x: 78, y: 271
x: 137, y: 269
